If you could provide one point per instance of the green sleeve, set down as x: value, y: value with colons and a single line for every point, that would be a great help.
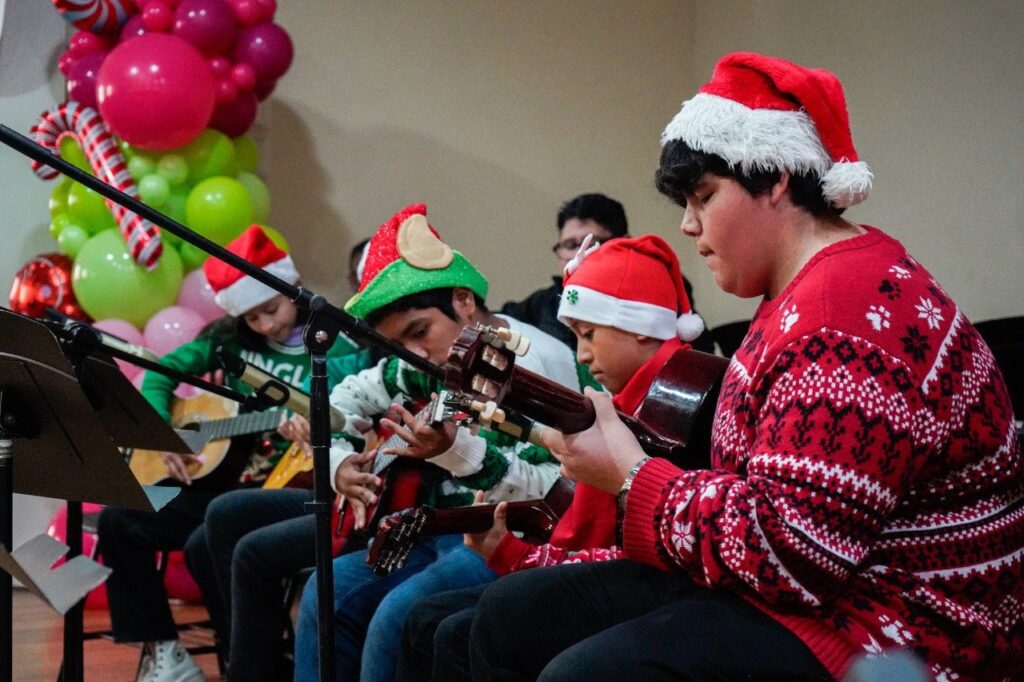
x: 586, y: 378
x: 195, y: 357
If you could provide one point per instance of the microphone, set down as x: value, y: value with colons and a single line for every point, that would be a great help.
x: 273, y: 388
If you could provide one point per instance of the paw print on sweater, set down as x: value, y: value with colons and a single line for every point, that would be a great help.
x: 895, y: 630
x: 879, y: 317
x: 900, y: 272
x: 789, y: 318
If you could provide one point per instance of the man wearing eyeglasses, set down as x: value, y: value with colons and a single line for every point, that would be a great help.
x: 586, y: 214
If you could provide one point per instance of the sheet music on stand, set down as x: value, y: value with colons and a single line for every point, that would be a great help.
x: 63, y: 415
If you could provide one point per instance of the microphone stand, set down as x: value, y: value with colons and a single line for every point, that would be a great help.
x: 325, y: 322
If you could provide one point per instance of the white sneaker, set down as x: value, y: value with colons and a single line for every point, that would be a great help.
x: 168, y: 662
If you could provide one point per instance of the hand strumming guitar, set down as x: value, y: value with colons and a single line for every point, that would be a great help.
x: 359, y: 487
x: 177, y: 465
x: 602, y: 455
x: 425, y: 441
x: 296, y: 429
x: 484, y: 543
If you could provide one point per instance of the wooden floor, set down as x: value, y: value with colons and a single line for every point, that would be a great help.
x: 38, y: 643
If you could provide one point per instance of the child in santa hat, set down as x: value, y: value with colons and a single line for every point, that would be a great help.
x: 265, y: 328
x: 867, y: 475
x: 627, y: 305
x: 419, y: 292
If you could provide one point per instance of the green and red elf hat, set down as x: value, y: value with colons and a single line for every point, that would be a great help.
x: 406, y: 256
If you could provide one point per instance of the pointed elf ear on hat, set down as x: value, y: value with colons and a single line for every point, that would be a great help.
x: 406, y: 256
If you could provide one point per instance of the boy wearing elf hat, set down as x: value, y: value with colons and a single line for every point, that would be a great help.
x: 867, y: 476
x: 263, y: 327
x: 627, y: 305
x: 419, y: 292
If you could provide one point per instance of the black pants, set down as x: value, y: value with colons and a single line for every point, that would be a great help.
x: 129, y: 541
x: 435, y: 639
x: 255, y: 540
x: 618, y: 621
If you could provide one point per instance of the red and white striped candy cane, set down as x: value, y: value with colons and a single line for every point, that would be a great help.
x: 98, y: 16
x: 88, y: 129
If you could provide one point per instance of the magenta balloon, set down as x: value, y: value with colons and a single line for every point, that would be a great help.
x: 157, y: 16
x: 267, y: 48
x: 155, y: 91
x: 133, y: 28
x: 65, y: 62
x: 264, y: 90
x: 82, y: 78
x: 237, y: 116
x: 207, y: 24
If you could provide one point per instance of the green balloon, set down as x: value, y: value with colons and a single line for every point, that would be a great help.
x: 59, y: 198
x: 140, y: 166
x: 277, y: 238
x: 192, y: 257
x: 126, y: 149
x: 209, y: 155
x: 72, y: 153
x: 219, y: 208
x: 247, y: 154
x: 154, y: 190
x: 71, y: 240
x: 108, y: 283
x: 88, y: 209
x: 175, y: 204
x: 173, y: 168
x: 259, y: 195
x: 59, y: 222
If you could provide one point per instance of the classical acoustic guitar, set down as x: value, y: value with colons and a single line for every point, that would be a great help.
x: 673, y: 422
x: 231, y: 437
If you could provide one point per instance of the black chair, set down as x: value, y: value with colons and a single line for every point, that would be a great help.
x: 729, y: 336
x: 1005, y: 336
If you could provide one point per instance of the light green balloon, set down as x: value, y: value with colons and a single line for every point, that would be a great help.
x: 211, y: 154
x: 277, y: 238
x: 175, y: 204
x: 219, y: 208
x: 173, y: 168
x: 59, y: 198
x: 72, y: 153
x: 192, y: 257
x: 140, y: 166
x: 246, y: 153
x: 88, y: 209
x: 59, y: 222
x: 108, y: 283
x: 71, y: 239
x: 259, y: 195
x: 154, y: 190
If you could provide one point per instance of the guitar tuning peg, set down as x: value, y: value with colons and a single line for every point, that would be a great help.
x: 514, y: 341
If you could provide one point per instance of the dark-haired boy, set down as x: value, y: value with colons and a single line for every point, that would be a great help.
x: 419, y: 292
x: 867, y: 484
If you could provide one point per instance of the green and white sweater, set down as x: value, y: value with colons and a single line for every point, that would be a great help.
x: 489, y: 461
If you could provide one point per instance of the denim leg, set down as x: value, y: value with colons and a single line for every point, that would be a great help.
x: 456, y: 567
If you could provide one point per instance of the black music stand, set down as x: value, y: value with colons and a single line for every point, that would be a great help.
x: 64, y: 413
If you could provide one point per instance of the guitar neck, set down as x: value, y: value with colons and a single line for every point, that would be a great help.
x: 530, y: 516
x: 252, y: 422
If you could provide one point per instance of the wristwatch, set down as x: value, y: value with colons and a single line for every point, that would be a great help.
x: 628, y: 483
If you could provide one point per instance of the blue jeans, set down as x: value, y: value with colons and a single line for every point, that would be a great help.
x: 369, y: 611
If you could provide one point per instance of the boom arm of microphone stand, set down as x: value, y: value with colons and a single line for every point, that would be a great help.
x: 353, y: 327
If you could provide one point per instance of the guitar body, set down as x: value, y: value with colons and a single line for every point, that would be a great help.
x: 220, y: 462
x: 293, y: 470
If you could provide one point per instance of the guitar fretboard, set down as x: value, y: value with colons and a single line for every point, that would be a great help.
x: 382, y: 462
x: 252, y: 422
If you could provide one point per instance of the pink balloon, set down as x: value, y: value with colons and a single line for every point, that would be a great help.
x: 155, y: 91
x: 267, y: 48
x: 125, y: 331
x: 249, y: 12
x: 236, y: 116
x: 171, y: 327
x: 184, y: 391
x: 225, y: 91
x: 133, y: 28
x: 207, y: 24
x: 82, y: 78
x: 221, y: 67
x: 85, y: 42
x: 264, y: 90
x: 243, y: 76
x: 197, y: 294
x: 157, y: 16
x: 97, y: 598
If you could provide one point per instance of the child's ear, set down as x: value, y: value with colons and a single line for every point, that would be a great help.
x: 463, y: 302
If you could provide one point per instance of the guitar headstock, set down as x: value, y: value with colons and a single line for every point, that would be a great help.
x: 481, y: 361
x: 395, y: 537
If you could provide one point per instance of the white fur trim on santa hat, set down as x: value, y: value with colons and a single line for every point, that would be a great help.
x: 765, y: 140
x: 598, y: 307
x: 247, y: 293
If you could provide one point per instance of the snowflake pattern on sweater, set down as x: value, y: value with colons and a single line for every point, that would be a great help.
x: 868, y: 490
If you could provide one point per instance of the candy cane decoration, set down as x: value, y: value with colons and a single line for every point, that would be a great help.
x: 88, y: 129
x: 97, y: 16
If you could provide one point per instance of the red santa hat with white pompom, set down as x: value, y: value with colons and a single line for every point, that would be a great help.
x: 767, y: 114
x: 633, y: 284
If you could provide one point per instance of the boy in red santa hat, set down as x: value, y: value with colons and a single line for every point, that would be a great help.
x: 866, y: 483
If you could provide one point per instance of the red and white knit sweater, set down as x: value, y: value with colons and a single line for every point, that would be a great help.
x: 586, y: 532
x: 868, y: 490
